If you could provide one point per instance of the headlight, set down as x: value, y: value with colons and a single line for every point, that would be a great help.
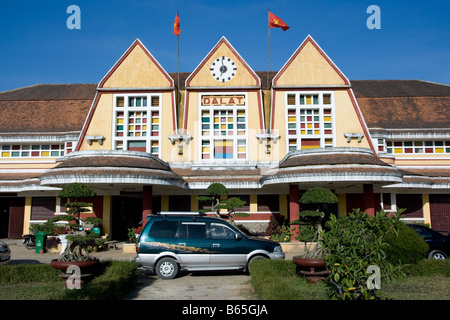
x: 278, y: 249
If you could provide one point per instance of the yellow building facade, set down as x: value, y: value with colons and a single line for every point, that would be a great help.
x: 147, y: 146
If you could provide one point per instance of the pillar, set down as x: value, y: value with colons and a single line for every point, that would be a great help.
x: 194, y: 203
x: 426, y: 208
x: 147, y: 195
x: 253, y: 203
x: 106, y: 215
x: 27, y: 215
x: 294, y: 207
x: 342, y: 204
x: 369, y: 199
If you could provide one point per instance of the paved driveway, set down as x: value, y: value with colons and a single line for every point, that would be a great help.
x: 223, y: 285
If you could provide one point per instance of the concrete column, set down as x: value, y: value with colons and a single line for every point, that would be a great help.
x: 106, y: 215
x: 426, y: 208
x: 342, y: 204
x: 294, y: 207
x: 253, y: 203
x: 147, y: 195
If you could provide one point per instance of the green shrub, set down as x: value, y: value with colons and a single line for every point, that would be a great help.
x: 27, y: 273
x: 406, y: 247
x: 354, y: 245
x: 428, y: 267
x: 118, y: 277
x: 278, y: 280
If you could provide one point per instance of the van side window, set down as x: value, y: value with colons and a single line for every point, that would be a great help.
x: 163, y: 229
x: 220, y: 231
x: 191, y: 230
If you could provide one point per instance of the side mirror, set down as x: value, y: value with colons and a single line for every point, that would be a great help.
x: 237, y: 237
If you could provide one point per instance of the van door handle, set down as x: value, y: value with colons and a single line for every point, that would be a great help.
x: 216, y: 245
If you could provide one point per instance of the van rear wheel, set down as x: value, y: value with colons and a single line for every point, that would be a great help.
x: 255, y: 258
x: 167, y: 268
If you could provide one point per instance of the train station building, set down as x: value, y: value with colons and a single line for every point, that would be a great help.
x: 147, y: 145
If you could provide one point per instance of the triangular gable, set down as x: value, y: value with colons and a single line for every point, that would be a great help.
x: 202, y: 76
x: 309, y: 66
x: 137, y: 68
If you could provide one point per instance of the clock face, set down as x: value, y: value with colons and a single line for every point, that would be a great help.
x: 223, y: 69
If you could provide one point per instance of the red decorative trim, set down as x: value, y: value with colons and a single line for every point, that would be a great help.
x: 361, y: 120
x: 186, y: 109
x: 261, y: 112
x: 88, y: 120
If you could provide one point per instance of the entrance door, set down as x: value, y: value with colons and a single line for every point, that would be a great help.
x: 4, y: 217
x: 126, y: 213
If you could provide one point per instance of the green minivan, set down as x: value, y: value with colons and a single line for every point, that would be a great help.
x: 170, y: 243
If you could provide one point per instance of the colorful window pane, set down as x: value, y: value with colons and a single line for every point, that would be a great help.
x: 223, y: 134
x: 309, y: 127
x: 137, y: 123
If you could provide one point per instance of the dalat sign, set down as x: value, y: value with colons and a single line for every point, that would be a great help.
x: 228, y: 100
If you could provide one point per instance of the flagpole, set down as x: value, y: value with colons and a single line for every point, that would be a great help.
x: 178, y: 91
x: 268, y: 68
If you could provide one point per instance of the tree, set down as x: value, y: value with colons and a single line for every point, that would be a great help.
x: 80, y: 240
x: 76, y: 191
x: 315, y: 207
x: 215, y: 190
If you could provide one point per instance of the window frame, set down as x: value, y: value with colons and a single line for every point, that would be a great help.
x: 126, y: 109
x: 321, y: 107
x: 235, y: 138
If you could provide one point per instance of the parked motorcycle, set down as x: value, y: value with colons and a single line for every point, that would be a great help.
x: 29, y: 241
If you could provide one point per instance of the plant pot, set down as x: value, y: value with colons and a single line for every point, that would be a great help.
x: 83, y: 265
x: 129, y: 248
x: 314, y: 269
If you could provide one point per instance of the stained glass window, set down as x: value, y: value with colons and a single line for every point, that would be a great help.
x: 224, y: 133
x: 310, y: 120
x: 418, y: 147
x: 137, y: 123
x: 33, y: 151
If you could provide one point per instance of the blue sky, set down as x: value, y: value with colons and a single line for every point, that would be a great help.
x: 37, y: 47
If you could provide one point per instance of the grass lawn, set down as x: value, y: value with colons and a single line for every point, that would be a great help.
x: 277, y: 280
x: 41, y: 282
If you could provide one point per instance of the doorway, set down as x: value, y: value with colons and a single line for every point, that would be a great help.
x: 4, y: 217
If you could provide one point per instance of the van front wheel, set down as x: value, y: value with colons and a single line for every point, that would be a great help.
x: 167, y: 268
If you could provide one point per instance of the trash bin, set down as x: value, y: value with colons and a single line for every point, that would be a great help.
x: 40, y: 240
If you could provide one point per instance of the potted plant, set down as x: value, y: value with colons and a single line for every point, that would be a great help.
x: 80, y: 242
x: 315, y: 203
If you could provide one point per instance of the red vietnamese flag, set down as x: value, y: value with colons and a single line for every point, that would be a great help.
x: 176, y: 26
x: 275, y: 22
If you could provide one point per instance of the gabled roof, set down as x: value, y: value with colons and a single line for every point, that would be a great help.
x: 223, y: 42
x: 309, y: 65
x: 128, y: 74
x: 53, y: 108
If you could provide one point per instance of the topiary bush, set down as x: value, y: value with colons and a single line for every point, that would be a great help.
x: 406, y: 247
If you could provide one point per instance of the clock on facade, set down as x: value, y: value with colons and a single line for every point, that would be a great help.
x: 223, y: 69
